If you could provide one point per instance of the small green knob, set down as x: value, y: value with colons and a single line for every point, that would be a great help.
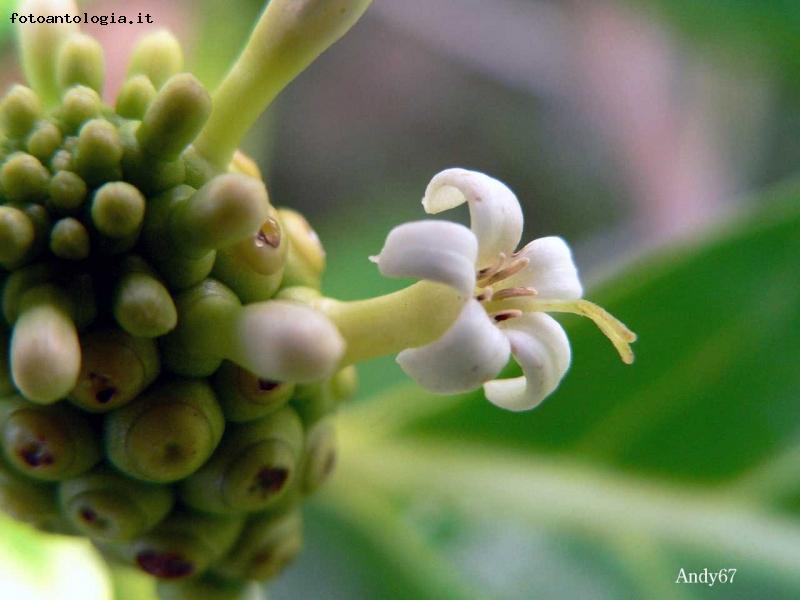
x: 118, y: 210
x: 105, y: 505
x: 98, y: 152
x: 19, y: 110
x: 69, y: 239
x: 44, y: 140
x: 245, y: 397
x: 167, y: 434
x: 270, y: 543
x: 142, y: 305
x: 24, y: 179
x: 67, y: 192
x: 50, y: 443
x: 79, y: 105
x: 115, y: 368
x: 135, y: 96
x: 17, y: 235
x: 255, y: 464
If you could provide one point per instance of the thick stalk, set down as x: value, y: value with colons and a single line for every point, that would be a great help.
x: 411, y: 317
x: 289, y: 35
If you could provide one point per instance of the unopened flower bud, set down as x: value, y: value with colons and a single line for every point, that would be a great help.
x: 157, y: 56
x: 45, y: 353
x: 19, y: 110
x: 226, y: 210
x: 24, y: 178
x: 81, y: 62
x: 118, y: 210
x: 174, y: 118
x: 135, y: 96
x: 16, y: 236
x: 80, y: 104
x: 275, y: 340
x: 98, y: 152
x: 142, y: 305
x: 69, y: 239
x: 67, y: 192
x: 44, y: 140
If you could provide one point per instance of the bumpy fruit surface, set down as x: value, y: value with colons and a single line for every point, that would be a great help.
x: 141, y: 290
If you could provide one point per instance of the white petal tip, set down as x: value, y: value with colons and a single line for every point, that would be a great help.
x: 434, y: 250
x: 288, y: 341
x: 540, y: 346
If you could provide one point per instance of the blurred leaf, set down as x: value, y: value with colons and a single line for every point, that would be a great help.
x: 34, y: 566
x: 224, y: 29
x: 688, y: 459
x: 767, y: 29
x: 6, y: 27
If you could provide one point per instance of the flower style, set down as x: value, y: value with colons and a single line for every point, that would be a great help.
x: 506, y: 294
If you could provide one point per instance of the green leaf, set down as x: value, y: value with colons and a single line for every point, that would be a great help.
x: 36, y: 566
x: 687, y: 459
x: 764, y: 29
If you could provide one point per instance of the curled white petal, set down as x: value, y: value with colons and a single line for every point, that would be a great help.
x: 551, y: 270
x: 496, y: 217
x: 472, y: 351
x: 434, y: 250
x: 287, y: 341
x: 540, y: 346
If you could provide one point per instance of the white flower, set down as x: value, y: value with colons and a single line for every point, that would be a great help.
x: 506, y: 294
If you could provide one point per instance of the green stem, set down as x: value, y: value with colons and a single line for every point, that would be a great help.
x: 289, y: 35
x: 411, y: 317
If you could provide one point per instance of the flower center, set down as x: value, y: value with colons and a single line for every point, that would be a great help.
x: 489, y: 280
x: 506, y: 303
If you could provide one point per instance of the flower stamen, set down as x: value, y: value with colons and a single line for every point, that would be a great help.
x: 486, y: 295
x: 515, y: 292
x: 488, y: 272
x: 514, y: 267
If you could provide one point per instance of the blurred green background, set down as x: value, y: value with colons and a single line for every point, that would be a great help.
x: 659, y: 137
